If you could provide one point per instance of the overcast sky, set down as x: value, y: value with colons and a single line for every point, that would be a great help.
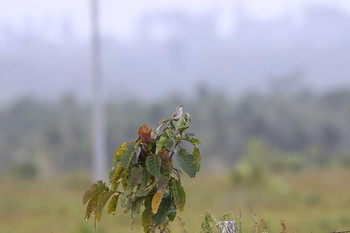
x: 119, y: 17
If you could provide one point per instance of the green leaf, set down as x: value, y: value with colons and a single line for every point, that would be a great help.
x: 93, y: 190
x: 147, y: 214
x: 161, y: 216
x: 144, y: 192
x: 209, y: 223
x: 164, y: 121
x: 128, y: 155
x: 114, y: 176
x: 136, y: 175
x: 153, y: 164
x: 186, y: 162
x: 91, y: 206
x: 169, y: 144
x: 191, y: 139
x: 129, y: 179
x: 136, y: 206
x: 101, y: 202
x: 144, y: 178
x: 160, y: 144
x: 197, y: 157
x: 167, y: 164
x: 178, y: 192
x: 183, y: 123
x: 172, y: 213
x: 112, y: 205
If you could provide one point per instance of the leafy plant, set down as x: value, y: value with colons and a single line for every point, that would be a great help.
x: 145, y: 178
x: 225, y: 224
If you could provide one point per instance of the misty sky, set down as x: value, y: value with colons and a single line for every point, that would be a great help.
x: 119, y: 17
x: 270, y: 43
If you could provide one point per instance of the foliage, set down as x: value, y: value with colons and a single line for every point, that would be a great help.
x: 50, y: 205
x: 210, y: 223
x: 309, y: 124
x: 26, y: 170
x: 227, y: 224
x: 144, y: 174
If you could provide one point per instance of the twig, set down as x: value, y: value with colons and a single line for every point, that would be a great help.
x: 256, y: 221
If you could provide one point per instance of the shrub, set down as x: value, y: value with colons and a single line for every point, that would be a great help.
x: 145, y: 175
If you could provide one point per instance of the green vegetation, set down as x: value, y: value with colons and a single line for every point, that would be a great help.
x: 148, y: 177
x: 317, y: 200
x: 299, y: 125
x: 286, y: 155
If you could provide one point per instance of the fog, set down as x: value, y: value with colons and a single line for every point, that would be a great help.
x: 172, y: 48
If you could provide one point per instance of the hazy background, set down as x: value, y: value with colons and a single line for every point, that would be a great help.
x: 266, y: 83
x: 173, y: 45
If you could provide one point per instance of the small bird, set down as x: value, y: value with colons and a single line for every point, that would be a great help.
x: 178, y: 113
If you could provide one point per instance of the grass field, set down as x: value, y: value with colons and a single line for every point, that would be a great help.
x: 313, y: 200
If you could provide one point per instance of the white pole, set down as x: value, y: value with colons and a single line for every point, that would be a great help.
x: 97, y: 110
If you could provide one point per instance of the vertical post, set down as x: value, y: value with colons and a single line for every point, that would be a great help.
x: 97, y: 110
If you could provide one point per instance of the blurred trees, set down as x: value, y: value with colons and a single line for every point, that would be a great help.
x: 55, y: 135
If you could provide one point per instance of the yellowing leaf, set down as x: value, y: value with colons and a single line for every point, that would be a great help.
x: 93, y: 190
x: 91, y: 207
x: 113, y: 204
x: 128, y: 154
x: 157, y: 198
x: 101, y: 202
x: 119, y: 152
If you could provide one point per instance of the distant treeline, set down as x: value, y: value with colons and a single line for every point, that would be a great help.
x: 55, y: 136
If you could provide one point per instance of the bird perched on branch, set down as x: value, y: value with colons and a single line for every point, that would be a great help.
x: 178, y: 113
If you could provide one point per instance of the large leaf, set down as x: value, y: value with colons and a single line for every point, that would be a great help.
x: 169, y: 144
x: 147, y: 214
x: 161, y: 216
x: 136, y: 175
x: 112, y: 205
x: 101, y: 202
x: 178, y: 192
x: 167, y: 164
x: 186, y: 162
x: 172, y: 212
x: 144, y: 178
x: 153, y: 164
x: 91, y: 207
x: 191, y: 139
x: 127, y: 155
x: 93, y: 190
x: 160, y: 144
x: 183, y: 123
x: 115, y: 175
x: 197, y: 157
x: 119, y: 152
x: 157, y: 198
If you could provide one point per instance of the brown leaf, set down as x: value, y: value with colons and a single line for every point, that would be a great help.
x: 157, y: 198
x: 145, y: 133
x: 166, y: 163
